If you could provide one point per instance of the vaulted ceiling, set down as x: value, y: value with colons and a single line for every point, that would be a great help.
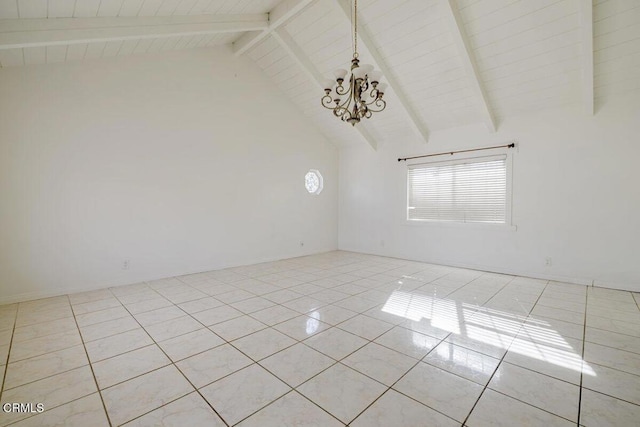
x: 448, y: 63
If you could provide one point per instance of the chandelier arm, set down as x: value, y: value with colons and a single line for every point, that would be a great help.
x: 380, y: 105
x: 344, y: 91
x: 327, y: 102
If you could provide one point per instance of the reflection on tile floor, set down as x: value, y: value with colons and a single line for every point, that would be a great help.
x: 327, y: 340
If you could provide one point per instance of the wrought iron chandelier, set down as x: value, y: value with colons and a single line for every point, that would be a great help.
x: 363, y: 96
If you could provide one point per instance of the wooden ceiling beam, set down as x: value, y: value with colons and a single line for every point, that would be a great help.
x: 452, y: 16
x: 282, y: 13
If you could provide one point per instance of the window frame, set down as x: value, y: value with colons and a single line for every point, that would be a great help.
x: 456, y: 158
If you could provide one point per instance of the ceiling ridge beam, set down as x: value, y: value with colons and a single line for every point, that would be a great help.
x: 282, y: 13
x: 414, y: 120
x: 285, y: 40
x: 23, y: 33
x: 452, y: 15
x: 586, y: 27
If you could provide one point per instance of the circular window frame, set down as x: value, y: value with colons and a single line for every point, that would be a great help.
x: 312, y: 189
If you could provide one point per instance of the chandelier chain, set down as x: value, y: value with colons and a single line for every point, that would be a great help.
x: 355, y: 28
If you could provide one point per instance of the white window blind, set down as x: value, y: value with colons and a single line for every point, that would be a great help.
x: 466, y: 190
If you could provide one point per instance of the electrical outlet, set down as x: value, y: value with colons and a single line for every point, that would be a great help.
x: 301, y: 243
x: 125, y: 264
x: 547, y: 261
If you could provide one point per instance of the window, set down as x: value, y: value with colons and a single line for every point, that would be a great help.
x: 472, y: 190
x: 313, y: 182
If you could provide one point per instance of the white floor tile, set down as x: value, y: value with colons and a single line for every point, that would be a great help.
x: 244, y: 392
x: 495, y: 409
x: 600, y: 410
x: 108, y: 328
x: 411, y: 343
x: 120, y: 368
x: 342, y: 392
x: 263, y: 343
x: 117, y: 344
x: 296, y: 364
x: 395, y: 409
x: 211, y: 365
x: 440, y: 390
x: 292, y: 410
x: 217, y: 315
x: 336, y: 343
x: 380, y: 363
x: 237, y: 328
x: 613, y: 382
x: 301, y: 327
x: 39, y: 367
x: 365, y: 327
x: 79, y: 413
x: 140, y: 395
x: 51, y: 392
x: 190, y: 410
x: 550, y: 394
x: 461, y: 361
x: 189, y: 344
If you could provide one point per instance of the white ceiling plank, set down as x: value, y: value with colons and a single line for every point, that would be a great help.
x: 452, y: 16
x: 586, y: 26
x: 61, y: 8
x: 112, y: 49
x: 184, y: 7
x: 35, y: 55
x: 150, y: 7
x: 168, y: 7
x: 170, y: 44
x: 32, y: 8
x: 289, y: 45
x: 20, y: 33
x: 76, y: 52
x: 11, y: 58
x: 414, y: 120
x: 110, y: 7
x: 94, y: 50
x: 86, y: 9
x: 143, y: 46
x: 8, y: 9
x: 283, y: 12
x: 128, y: 47
x: 56, y: 54
x: 130, y: 8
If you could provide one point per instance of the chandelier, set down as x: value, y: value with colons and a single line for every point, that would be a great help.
x: 363, y: 95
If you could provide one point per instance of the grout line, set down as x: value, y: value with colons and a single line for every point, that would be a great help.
x: 503, y: 356
x: 6, y: 365
x: 104, y: 406
x: 582, y: 362
x: 421, y: 360
x: 178, y: 369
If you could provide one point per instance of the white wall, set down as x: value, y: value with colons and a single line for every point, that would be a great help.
x: 576, y: 199
x: 179, y: 162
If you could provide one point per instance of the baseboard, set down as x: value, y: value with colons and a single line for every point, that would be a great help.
x: 501, y: 270
x: 617, y: 286
x: 35, y: 295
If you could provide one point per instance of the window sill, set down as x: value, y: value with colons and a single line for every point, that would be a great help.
x: 461, y: 225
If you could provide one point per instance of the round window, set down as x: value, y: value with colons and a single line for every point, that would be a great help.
x: 313, y: 182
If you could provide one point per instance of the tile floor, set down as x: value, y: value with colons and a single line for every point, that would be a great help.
x: 328, y: 340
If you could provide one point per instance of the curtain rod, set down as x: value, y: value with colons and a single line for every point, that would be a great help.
x: 456, y: 152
